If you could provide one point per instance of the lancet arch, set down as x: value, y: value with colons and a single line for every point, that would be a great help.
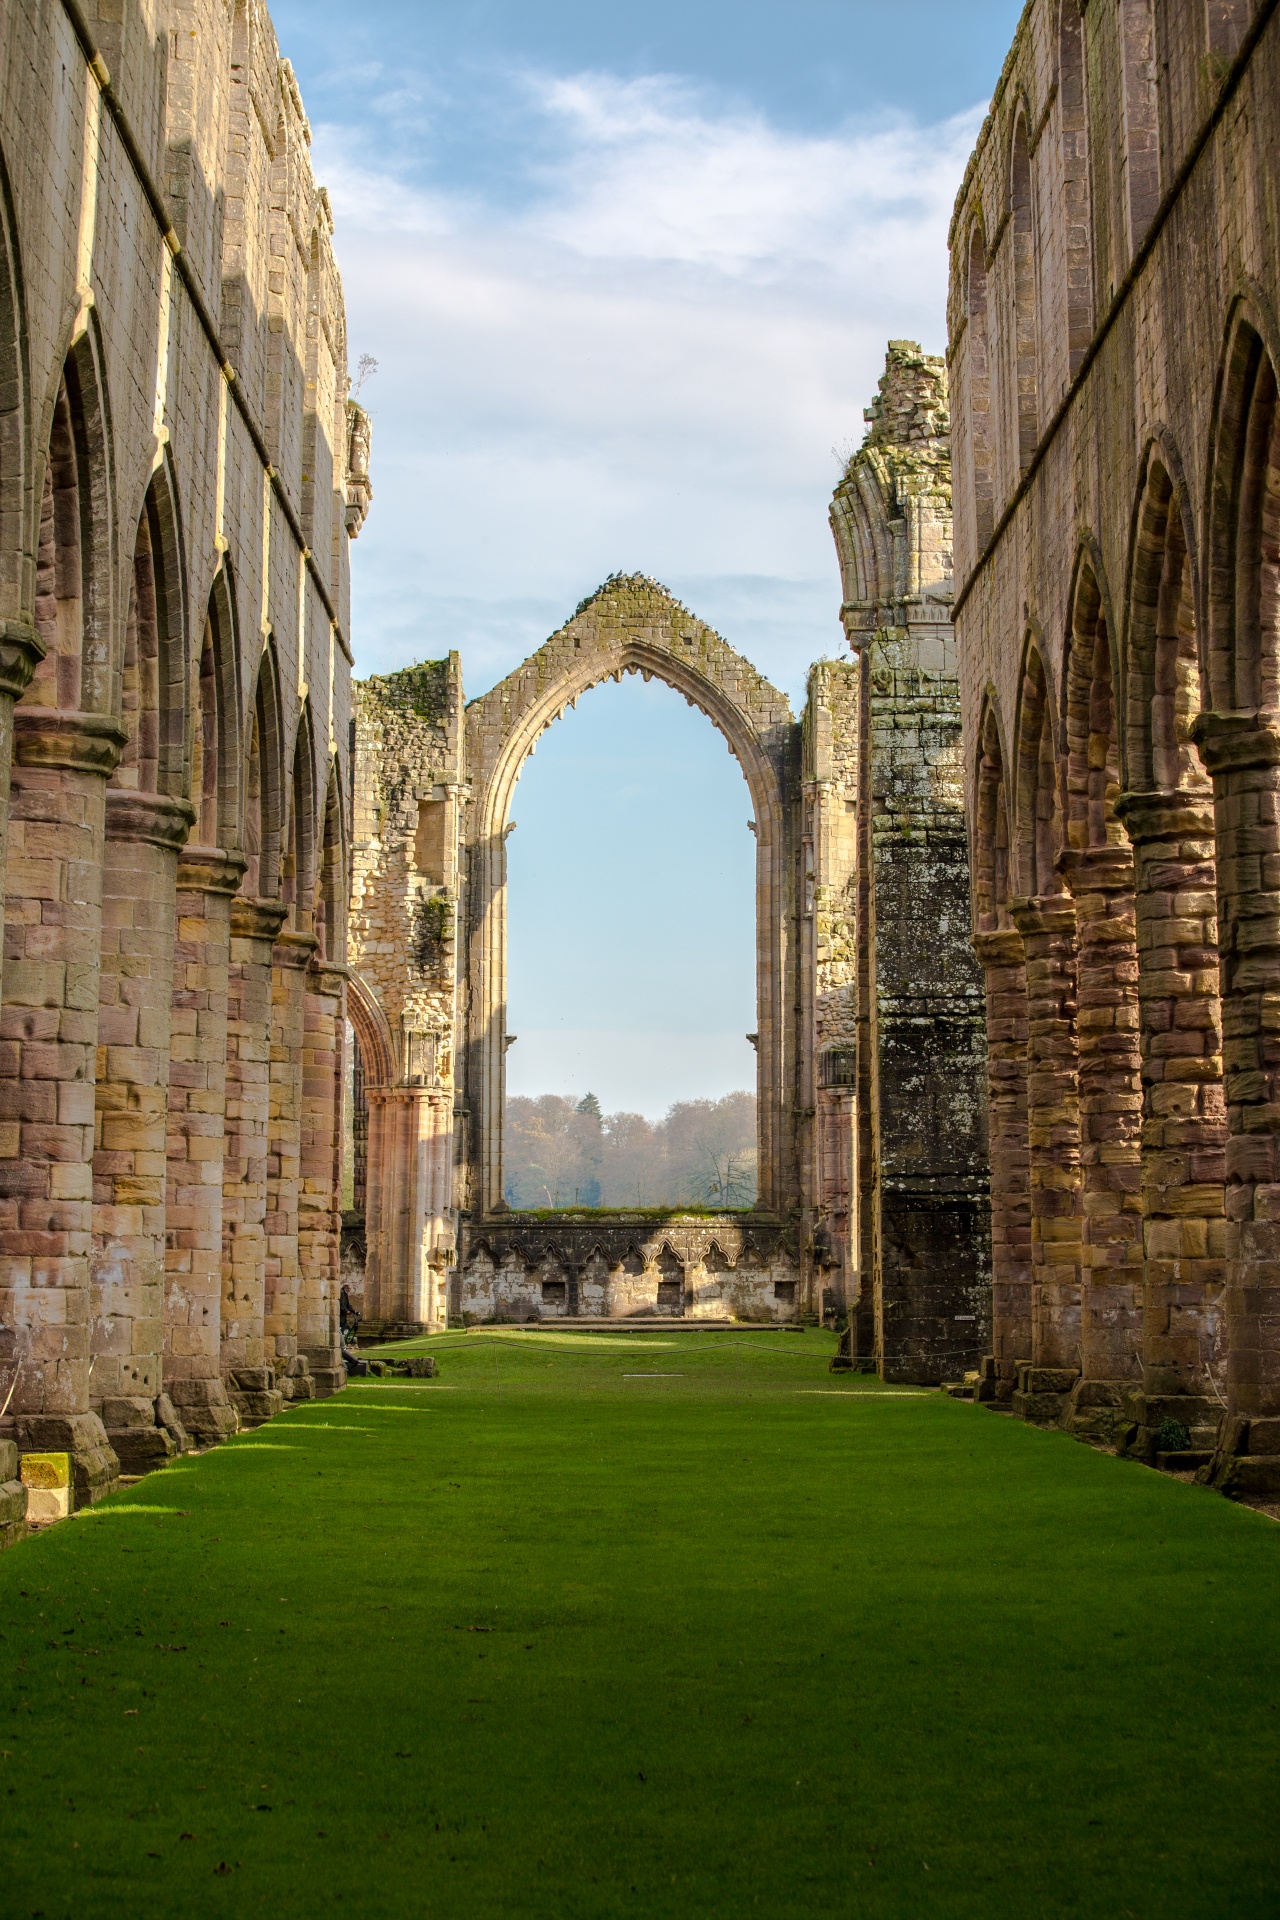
x: 632, y: 625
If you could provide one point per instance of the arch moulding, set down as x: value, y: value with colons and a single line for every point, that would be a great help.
x: 632, y: 625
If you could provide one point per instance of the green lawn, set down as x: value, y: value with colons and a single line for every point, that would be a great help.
x: 651, y: 1624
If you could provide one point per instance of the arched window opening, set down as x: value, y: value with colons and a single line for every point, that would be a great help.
x: 1026, y: 370
x: 632, y: 970
x: 1141, y: 152
x: 204, y: 746
x: 331, y: 891
x: 298, y: 871
x: 262, y: 793
x: 1164, y: 667
x: 992, y: 851
x: 60, y: 567
x: 979, y: 409
x: 1093, y: 761
x: 1039, y: 810
x: 1076, y: 211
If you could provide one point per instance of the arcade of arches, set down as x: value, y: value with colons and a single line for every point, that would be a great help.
x: 1114, y: 357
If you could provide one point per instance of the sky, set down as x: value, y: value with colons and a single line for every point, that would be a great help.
x: 628, y: 274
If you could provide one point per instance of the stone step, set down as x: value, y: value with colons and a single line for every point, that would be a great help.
x: 1187, y: 1461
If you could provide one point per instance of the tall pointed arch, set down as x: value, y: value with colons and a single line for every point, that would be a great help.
x: 263, y: 803
x: 1002, y: 952
x: 1239, y: 740
x: 1168, y: 813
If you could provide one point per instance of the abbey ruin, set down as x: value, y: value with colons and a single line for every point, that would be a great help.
x: 872, y: 1184
x: 1017, y: 859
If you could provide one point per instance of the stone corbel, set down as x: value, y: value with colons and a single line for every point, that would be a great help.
x: 1097, y: 869
x: 293, y: 948
x: 1052, y: 913
x: 210, y: 870
x: 1228, y: 741
x: 154, y: 819
x: 257, y: 919
x: 21, y: 651
x: 1166, y: 816
x: 79, y: 742
x: 1002, y: 947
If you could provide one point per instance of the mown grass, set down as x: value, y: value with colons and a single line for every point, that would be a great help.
x: 540, y: 1639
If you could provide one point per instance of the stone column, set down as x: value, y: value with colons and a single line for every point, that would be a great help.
x: 197, y: 1124
x: 319, y: 1212
x: 1242, y: 752
x: 416, y: 1166
x: 375, y: 1207
x: 135, y: 992
x: 1184, y: 1129
x: 1047, y: 924
x: 245, y: 1365
x: 290, y: 958
x: 1004, y: 966
x: 1101, y: 881
x: 53, y: 925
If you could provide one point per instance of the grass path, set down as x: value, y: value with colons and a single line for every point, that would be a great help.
x: 738, y: 1637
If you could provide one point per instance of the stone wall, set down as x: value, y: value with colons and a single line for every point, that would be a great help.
x: 1113, y: 351
x: 176, y: 499
x: 919, y: 1102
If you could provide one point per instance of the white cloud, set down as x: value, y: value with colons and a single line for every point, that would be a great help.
x: 642, y: 365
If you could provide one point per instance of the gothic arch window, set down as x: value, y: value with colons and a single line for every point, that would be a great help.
x: 1093, y: 761
x: 1244, y: 561
x: 298, y: 874
x: 153, y: 692
x: 992, y: 852
x: 1039, y: 818
x: 1164, y: 689
x: 263, y: 791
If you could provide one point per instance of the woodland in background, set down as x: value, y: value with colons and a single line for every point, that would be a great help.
x: 565, y: 1153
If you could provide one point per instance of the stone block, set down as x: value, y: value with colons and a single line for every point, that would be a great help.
x: 1033, y: 1379
x: 255, y: 1408
x: 1251, y: 1476
x: 13, y: 1511
x: 48, y: 1481
x: 119, y: 1414
x: 141, y: 1449
x: 1041, y: 1409
x: 95, y: 1468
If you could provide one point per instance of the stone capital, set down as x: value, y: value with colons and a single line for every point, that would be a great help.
x: 1043, y: 913
x: 1002, y: 947
x: 54, y: 737
x: 152, y: 818
x: 1166, y: 816
x: 209, y: 869
x: 1228, y: 741
x: 21, y: 651
x: 257, y: 919
x: 1105, y: 869
x: 293, y: 948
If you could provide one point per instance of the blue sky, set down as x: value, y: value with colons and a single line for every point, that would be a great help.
x: 628, y: 274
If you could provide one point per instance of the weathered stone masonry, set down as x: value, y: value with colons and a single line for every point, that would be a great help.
x: 1113, y: 352
x: 180, y: 473
x: 869, y: 1025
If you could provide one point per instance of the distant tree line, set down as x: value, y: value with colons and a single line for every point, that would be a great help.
x: 562, y: 1153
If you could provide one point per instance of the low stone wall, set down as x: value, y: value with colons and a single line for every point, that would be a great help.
x: 626, y: 1267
